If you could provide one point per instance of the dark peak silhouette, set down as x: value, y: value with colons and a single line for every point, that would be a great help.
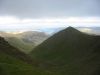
x: 70, y: 27
x: 71, y: 30
x: 68, y: 33
x: 77, y: 52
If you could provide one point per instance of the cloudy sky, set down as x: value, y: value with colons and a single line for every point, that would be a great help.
x: 32, y: 14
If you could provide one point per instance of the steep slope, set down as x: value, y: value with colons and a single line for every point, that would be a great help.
x: 70, y: 52
x: 10, y: 50
x: 14, y: 62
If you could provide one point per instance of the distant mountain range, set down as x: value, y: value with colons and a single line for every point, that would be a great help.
x: 25, y: 41
x: 70, y: 52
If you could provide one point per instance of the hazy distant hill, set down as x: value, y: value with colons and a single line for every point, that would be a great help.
x: 33, y: 37
x: 25, y: 41
x: 70, y: 52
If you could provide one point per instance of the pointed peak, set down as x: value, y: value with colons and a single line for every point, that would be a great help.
x: 71, y: 28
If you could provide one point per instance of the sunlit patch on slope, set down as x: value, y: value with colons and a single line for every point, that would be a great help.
x: 17, y: 32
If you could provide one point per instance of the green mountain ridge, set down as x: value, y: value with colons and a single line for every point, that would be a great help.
x: 70, y: 52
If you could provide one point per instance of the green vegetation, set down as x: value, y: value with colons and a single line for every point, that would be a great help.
x: 20, y: 44
x: 70, y: 52
x: 14, y: 62
x: 12, y: 66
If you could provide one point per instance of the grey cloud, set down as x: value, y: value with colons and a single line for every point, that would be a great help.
x: 49, y: 8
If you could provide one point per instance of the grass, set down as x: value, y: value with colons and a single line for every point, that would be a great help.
x: 15, y: 62
x: 20, y: 44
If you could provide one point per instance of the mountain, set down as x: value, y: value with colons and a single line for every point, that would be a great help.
x: 6, y: 48
x: 24, y: 41
x: 33, y: 37
x: 20, y: 44
x: 70, y: 52
x: 15, y: 62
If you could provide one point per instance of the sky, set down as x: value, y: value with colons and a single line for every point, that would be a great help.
x: 35, y: 14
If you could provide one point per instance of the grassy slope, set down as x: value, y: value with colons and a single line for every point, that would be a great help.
x: 14, y: 62
x: 11, y: 66
x: 70, y: 52
x: 20, y: 44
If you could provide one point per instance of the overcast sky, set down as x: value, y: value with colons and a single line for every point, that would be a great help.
x: 49, y: 8
x: 50, y: 12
